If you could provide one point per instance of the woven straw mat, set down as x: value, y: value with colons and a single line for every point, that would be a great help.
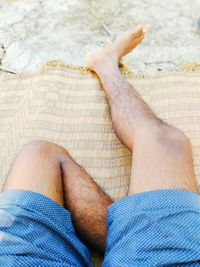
x: 69, y: 107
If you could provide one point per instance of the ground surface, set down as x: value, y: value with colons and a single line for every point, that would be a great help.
x: 33, y: 32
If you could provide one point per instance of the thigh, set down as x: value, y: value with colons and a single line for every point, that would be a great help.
x: 37, y: 168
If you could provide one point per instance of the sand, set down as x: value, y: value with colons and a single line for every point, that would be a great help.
x: 33, y: 32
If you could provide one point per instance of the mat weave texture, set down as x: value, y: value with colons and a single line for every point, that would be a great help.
x: 69, y: 107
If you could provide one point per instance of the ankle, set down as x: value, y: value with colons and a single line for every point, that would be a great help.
x: 102, y: 62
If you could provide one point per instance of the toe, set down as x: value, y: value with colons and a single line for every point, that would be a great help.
x: 138, y: 31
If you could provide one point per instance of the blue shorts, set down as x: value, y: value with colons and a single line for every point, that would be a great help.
x: 155, y: 228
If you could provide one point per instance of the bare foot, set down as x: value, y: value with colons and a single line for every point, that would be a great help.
x: 113, y: 52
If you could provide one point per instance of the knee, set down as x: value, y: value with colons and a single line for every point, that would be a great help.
x: 166, y: 137
x: 37, y: 147
x: 174, y: 138
x: 40, y: 148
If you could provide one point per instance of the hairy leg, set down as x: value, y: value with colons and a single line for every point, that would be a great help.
x: 48, y: 169
x: 162, y: 157
x: 126, y: 105
x: 87, y: 203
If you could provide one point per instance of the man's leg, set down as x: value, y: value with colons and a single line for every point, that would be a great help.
x: 48, y: 169
x: 159, y: 223
x: 162, y: 157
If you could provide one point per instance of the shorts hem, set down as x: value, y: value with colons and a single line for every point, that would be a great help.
x: 38, y: 202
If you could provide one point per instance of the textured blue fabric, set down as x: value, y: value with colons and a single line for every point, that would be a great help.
x: 36, y: 231
x: 154, y: 228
